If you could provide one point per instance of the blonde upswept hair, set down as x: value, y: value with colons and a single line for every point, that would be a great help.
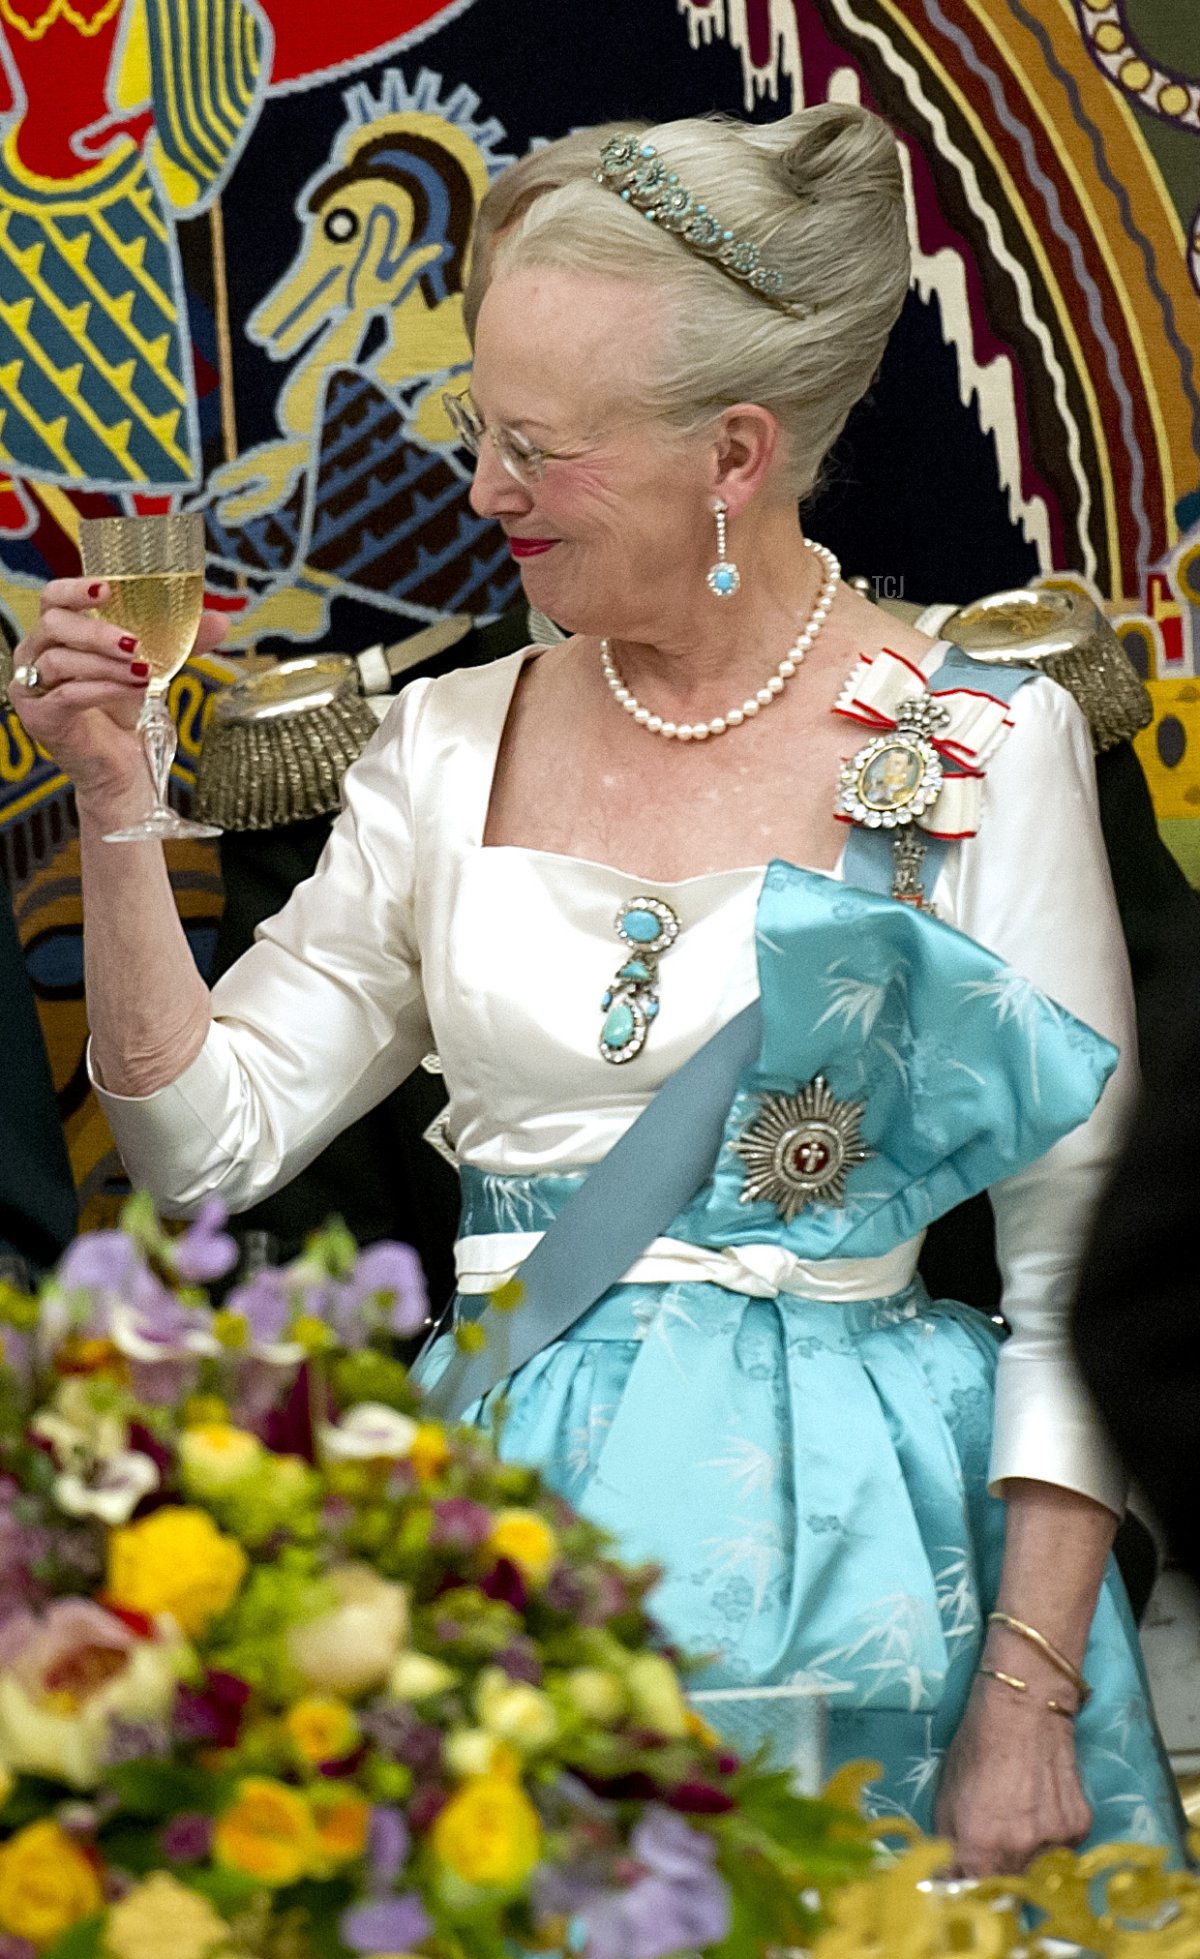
x: 820, y: 192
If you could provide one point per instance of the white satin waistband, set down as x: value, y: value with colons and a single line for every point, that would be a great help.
x: 488, y: 1259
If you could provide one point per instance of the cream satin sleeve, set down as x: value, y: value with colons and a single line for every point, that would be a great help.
x: 1034, y: 887
x: 315, y: 1023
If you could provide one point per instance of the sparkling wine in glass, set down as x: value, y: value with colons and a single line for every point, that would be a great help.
x: 155, y: 568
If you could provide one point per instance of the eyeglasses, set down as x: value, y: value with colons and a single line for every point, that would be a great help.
x: 524, y: 460
x: 521, y: 458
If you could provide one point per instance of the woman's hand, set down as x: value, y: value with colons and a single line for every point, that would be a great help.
x: 91, y: 685
x: 1010, y: 1785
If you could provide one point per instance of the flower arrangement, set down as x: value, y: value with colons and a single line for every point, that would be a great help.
x: 288, y: 1669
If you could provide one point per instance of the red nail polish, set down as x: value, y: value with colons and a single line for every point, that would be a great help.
x: 94, y: 591
x: 127, y: 645
x: 140, y: 669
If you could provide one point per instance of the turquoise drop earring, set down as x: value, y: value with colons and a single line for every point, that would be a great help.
x: 724, y: 578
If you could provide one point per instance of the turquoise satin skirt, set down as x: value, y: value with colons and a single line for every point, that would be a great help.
x: 813, y: 1480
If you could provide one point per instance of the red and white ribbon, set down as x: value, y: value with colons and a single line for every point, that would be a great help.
x: 978, y: 723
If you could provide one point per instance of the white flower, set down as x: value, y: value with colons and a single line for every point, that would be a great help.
x: 126, y: 1331
x: 113, y: 1490
x: 368, y: 1432
x: 68, y: 1674
x: 79, y: 1426
x: 416, y: 1676
x: 513, y: 1711
x: 469, y: 1752
x: 596, y: 1694
x: 353, y: 1646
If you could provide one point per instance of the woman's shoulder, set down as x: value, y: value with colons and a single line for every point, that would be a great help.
x: 472, y: 700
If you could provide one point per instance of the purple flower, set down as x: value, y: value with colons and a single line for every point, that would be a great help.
x: 401, y: 1733
x: 506, y: 1582
x: 11, y: 1947
x: 213, y: 1713
x: 187, y: 1838
x: 696, y: 1798
x: 264, y: 1303
x: 678, y: 1900
x: 135, y: 1741
x: 385, y: 1925
x: 205, y: 1251
x: 459, y: 1524
x: 592, y: 1596
x: 566, y: 1591
x: 388, y: 1844
x: 101, y: 1261
x: 388, y: 1279
x: 521, y: 1661
x: 425, y: 1805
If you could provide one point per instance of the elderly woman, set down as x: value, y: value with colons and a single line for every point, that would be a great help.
x: 782, y: 829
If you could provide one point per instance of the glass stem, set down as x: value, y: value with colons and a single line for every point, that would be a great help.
x: 159, y: 741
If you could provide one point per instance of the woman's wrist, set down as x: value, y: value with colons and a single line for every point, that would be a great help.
x: 1026, y: 1698
x: 1008, y: 1653
x: 113, y: 803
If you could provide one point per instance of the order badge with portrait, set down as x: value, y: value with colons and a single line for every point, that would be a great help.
x: 891, y: 780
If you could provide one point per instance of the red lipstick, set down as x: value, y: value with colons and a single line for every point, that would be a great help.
x: 531, y: 547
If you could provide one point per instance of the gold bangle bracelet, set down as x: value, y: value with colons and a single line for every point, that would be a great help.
x: 1022, y: 1687
x: 1009, y: 1679
x: 1065, y: 1666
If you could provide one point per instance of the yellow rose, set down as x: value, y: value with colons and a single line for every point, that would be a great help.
x: 515, y: 1712
x: 353, y: 1646
x: 653, y: 1686
x: 488, y: 1834
x: 526, y: 1540
x: 164, y: 1916
x: 321, y: 1729
x: 46, y: 1884
x: 342, y: 1820
x: 176, y: 1561
x: 430, y: 1451
x: 214, y: 1457
x: 267, y: 1832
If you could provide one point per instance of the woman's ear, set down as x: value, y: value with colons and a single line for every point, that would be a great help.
x: 744, y: 447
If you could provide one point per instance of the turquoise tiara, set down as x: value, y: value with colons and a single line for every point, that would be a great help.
x: 638, y: 175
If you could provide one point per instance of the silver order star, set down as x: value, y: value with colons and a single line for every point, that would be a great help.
x: 799, y: 1147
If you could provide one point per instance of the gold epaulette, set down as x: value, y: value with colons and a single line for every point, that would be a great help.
x: 1066, y: 636
x: 279, y: 742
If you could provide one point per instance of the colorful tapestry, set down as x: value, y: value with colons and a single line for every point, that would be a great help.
x: 233, y: 236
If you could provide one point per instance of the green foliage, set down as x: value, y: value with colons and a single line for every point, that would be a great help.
x: 253, y: 1641
x: 82, y: 1941
x: 155, y: 1791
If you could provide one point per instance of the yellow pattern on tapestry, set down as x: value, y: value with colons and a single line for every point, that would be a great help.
x: 33, y: 30
x: 201, y: 62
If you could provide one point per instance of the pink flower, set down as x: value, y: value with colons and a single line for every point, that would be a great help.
x: 67, y: 1677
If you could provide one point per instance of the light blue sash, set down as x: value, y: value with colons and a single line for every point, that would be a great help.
x: 662, y: 1160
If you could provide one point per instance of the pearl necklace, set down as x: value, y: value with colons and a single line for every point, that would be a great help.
x: 721, y: 723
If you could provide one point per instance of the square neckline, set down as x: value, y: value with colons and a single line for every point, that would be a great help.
x: 534, y: 651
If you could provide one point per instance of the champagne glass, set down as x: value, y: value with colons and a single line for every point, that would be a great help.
x: 155, y: 568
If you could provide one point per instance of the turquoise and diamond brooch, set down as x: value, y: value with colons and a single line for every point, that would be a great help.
x: 647, y: 926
